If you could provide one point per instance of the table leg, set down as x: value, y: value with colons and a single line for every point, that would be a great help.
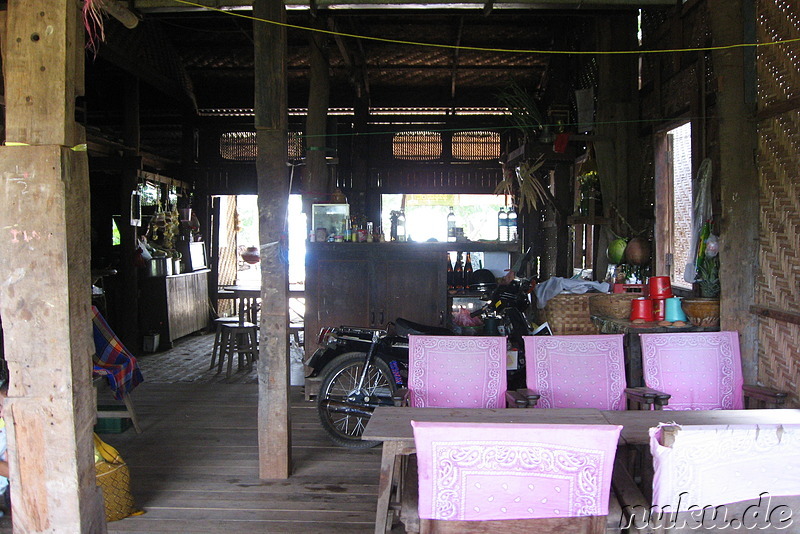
x: 382, y: 516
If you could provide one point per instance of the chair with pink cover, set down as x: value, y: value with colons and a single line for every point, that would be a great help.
x: 455, y: 372
x: 495, y: 477
x: 575, y: 371
x: 699, y: 371
x: 709, y: 477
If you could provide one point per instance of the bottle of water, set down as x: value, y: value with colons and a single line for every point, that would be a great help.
x: 512, y: 224
x: 451, y: 225
x: 401, y: 226
x: 502, y: 224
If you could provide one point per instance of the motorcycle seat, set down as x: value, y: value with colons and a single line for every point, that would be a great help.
x: 404, y: 327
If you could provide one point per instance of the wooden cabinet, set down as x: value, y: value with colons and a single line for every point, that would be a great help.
x: 174, y: 306
x: 371, y: 284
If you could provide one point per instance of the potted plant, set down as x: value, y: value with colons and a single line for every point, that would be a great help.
x: 704, y: 311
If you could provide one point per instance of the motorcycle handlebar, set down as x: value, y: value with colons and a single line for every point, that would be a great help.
x: 522, y: 261
x: 480, y: 310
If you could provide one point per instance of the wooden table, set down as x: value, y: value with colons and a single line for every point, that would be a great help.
x: 637, y: 423
x: 245, y: 297
x: 392, y: 425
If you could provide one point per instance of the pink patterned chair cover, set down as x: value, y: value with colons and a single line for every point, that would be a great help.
x: 457, y: 371
x: 718, y: 464
x: 576, y: 371
x: 490, y: 471
x: 701, y: 370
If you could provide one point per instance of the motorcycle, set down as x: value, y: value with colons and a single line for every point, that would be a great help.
x: 362, y: 368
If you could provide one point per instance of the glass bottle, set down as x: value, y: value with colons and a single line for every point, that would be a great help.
x: 401, y: 226
x: 468, y: 271
x: 512, y: 224
x: 502, y: 224
x: 451, y: 225
x: 450, y: 272
x: 458, y: 273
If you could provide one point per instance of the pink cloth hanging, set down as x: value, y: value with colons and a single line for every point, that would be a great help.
x: 457, y: 371
x: 576, y: 371
x: 489, y: 471
x: 719, y: 464
x: 700, y: 370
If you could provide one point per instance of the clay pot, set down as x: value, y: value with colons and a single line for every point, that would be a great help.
x: 251, y: 255
x: 638, y: 251
x: 702, y: 311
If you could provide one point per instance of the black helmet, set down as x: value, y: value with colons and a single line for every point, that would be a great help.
x: 483, y: 278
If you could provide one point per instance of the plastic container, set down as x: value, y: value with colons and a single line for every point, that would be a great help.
x: 659, y: 309
x: 150, y: 342
x: 660, y: 287
x: 673, y: 310
x: 642, y: 309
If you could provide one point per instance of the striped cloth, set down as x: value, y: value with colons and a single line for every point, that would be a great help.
x: 112, y: 359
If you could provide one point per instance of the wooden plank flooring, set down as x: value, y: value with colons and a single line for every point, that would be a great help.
x: 194, y: 468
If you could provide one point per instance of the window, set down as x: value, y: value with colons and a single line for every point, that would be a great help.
x: 674, y: 203
x: 476, y: 146
x: 242, y: 146
x: 417, y: 146
x: 426, y: 215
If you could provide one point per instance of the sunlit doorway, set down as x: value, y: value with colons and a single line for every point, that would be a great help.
x: 239, y: 231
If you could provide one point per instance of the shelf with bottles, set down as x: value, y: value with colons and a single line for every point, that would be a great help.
x: 507, y: 224
x: 475, y: 275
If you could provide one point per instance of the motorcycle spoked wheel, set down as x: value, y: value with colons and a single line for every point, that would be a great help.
x: 344, y: 426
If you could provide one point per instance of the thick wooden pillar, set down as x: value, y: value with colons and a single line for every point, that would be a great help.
x: 739, y: 224
x: 617, y: 146
x: 274, y: 426
x: 127, y: 328
x: 45, y: 293
x: 316, y: 187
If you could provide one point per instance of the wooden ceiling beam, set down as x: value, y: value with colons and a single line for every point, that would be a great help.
x: 456, y: 50
x: 145, y: 6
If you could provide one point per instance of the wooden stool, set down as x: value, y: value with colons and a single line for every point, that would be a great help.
x: 219, y: 321
x: 238, y: 338
x: 122, y: 412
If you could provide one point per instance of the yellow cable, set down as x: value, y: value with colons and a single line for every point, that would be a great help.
x: 480, y: 49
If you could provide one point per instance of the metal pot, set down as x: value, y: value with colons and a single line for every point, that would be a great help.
x: 157, y: 267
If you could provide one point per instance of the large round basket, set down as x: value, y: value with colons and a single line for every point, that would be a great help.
x: 568, y: 313
x: 614, y: 305
x: 701, y: 311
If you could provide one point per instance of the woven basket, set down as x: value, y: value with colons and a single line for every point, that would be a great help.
x: 614, y: 305
x: 568, y: 313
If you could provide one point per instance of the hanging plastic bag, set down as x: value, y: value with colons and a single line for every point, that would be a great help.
x: 701, y: 214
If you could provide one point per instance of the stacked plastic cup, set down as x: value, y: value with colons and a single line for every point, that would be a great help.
x: 660, y: 288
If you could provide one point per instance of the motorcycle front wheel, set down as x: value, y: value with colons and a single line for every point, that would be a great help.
x: 344, y: 410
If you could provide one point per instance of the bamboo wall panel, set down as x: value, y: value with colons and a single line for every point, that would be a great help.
x: 778, y: 70
x: 228, y: 258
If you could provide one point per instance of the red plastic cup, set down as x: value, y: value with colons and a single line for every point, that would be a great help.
x: 642, y: 309
x: 660, y: 287
x: 659, y: 309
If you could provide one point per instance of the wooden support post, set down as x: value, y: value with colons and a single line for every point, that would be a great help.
x: 274, y: 426
x: 127, y: 309
x: 617, y: 147
x: 316, y: 178
x: 45, y: 283
x: 739, y: 228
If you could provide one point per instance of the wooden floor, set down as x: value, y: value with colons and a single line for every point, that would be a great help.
x: 194, y: 467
